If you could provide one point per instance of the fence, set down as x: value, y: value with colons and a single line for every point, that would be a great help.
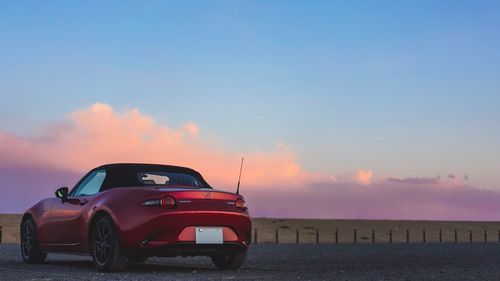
x: 373, y: 236
x: 377, y: 237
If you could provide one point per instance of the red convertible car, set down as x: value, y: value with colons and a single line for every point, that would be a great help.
x: 121, y: 213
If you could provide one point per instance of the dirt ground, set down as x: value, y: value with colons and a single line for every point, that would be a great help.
x: 308, y: 228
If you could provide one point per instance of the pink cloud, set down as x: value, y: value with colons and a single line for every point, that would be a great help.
x: 99, y: 134
x: 416, y: 181
x: 383, y: 200
x: 363, y: 176
x: 274, y: 183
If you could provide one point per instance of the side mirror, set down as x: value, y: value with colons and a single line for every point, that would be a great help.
x: 62, y: 193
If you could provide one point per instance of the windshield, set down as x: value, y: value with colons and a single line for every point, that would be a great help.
x: 168, y: 179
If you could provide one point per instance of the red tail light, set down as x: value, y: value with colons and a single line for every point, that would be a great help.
x: 240, y: 204
x: 166, y: 202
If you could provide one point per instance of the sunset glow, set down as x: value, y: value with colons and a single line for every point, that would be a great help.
x: 340, y: 110
x: 99, y: 134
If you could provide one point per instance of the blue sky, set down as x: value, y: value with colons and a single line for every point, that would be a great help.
x: 404, y: 88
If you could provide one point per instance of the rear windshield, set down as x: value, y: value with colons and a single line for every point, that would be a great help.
x: 166, y: 179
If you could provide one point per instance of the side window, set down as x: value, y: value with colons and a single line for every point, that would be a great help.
x: 91, y: 184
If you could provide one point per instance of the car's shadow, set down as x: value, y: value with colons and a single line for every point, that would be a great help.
x: 168, y: 267
x: 156, y: 266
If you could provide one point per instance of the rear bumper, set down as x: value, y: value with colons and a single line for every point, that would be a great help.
x: 153, y: 233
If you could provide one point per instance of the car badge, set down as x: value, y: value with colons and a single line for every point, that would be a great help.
x: 207, y: 195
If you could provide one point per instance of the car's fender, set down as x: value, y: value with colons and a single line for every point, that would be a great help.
x: 40, y: 213
x: 103, y: 203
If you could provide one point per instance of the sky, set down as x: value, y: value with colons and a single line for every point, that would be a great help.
x: 373, y: 109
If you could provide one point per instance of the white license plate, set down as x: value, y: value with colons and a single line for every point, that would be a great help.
x: 209, y: 235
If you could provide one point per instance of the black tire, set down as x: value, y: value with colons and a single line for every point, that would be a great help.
x: 137, y: 259
x: 105, y: 246
x: 30, y: 247
x: 230, y: 261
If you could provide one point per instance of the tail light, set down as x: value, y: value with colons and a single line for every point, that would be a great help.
x: 240, y: 204
x: 166, y: 202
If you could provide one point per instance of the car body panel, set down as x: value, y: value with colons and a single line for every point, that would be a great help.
x: 154, y: 230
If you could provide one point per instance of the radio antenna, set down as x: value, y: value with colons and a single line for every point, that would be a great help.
x: 239, y: 178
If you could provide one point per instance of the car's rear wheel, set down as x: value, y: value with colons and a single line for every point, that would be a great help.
x: 229, y: 261
x: 30, y: 248
x: 106, y: 250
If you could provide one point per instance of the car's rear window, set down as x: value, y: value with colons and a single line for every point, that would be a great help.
x: 167, y: 179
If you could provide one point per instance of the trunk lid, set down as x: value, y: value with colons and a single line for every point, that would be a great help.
x: 204, y: 199
x: 189, y: 199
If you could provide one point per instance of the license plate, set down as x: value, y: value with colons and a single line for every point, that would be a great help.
x: 209, y: 235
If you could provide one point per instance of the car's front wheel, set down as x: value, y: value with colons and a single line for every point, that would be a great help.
x: 106, y: 250
x: 30, y: 248
x: 230, y: 261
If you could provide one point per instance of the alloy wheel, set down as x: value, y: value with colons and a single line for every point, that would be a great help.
x: 103, y: 241
x: 28, y: 240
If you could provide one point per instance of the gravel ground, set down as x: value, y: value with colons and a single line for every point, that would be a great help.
x: 284, y: 262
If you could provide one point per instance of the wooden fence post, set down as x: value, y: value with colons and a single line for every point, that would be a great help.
x: 255, y: 235
x: 407, y: 236
x: 0, y: 234
x: 336, y: 236
x: 276, y: 234
x: 373, y: 236
x: 355, y: 236
x: 485, y: 236
x: 440, y: 235
x: 317, y: 235
x: 423, y: 235
x: 390, y: 236
x: 470, y: 235
x: 297, y: 237
x: 499, y: 236
x: 456, y: 236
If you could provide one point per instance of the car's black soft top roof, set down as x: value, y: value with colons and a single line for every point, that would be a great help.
x: 124, y: 174
x: 146, y: 167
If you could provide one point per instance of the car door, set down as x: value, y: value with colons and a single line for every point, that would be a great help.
x: 66, y: 222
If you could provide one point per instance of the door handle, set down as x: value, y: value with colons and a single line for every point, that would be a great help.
x: 83, y: 202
